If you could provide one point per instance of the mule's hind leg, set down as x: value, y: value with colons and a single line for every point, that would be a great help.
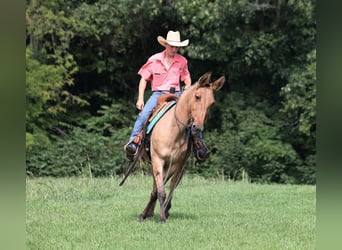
x: 168, y: 207
x: 177, y: 176
x: 149, y: 210
x: 167, y: 204
x: 152, y: 205
x: 169, y: 198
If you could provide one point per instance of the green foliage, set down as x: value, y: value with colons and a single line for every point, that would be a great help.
x: 109, y: 40
x: 94, y: 150
x: 46, y: 98
x: 50, y: 69
x: 81, y: 154
x: 251, y: 142
x: 300, y: 96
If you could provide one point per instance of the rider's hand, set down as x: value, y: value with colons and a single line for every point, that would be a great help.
x: 140, y: 104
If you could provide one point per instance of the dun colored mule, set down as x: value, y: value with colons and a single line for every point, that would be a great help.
x: 169, y: 141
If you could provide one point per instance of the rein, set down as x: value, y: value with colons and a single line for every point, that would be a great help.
x: 188, y: 151
x: 180, y: 174
x: 178, y: 120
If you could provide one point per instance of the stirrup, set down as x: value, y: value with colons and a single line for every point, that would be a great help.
x: 135, y: 142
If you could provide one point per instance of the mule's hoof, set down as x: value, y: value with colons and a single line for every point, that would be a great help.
x: 162, y: 220
x: 141, y: 218
x: 149, y: 215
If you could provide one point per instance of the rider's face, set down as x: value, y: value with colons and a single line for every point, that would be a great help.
x: 171, y: 50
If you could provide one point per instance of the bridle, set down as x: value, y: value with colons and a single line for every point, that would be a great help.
x: 185, y: 124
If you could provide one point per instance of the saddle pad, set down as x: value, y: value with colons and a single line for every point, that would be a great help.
x: 158, y: 116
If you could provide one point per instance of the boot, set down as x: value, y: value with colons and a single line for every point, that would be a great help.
x: 200, y: 150
x: 132, y: 146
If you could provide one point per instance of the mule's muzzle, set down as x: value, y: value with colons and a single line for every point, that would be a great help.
x: 196, y: 129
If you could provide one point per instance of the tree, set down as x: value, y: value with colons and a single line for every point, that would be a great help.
x: 50, y: 69
x: 299, y: 96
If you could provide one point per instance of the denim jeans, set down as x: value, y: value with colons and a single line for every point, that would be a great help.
x: 146, y: 112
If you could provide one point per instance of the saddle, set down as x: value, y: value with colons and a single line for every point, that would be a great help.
x: 166, y: 98
x: 162, y: 102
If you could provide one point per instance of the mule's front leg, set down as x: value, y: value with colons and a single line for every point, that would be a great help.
x: 161, y: 198
x: 157, y: 169
x: 158, y: 177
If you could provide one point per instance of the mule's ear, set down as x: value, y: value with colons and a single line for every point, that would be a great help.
x: 218, y: 83
x: 204, y: 79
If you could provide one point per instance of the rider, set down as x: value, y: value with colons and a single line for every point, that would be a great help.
x: 164, y: 71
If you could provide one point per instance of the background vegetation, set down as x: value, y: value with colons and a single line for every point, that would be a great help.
x: 81, y: 83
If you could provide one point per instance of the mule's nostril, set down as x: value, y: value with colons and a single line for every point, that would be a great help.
x: 195, y: 128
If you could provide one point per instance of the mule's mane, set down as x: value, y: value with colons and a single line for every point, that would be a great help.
x: 185, y: 95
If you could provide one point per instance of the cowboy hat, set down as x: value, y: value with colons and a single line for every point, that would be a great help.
x: 173, y: 39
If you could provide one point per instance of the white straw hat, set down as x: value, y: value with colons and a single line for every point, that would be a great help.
x: 173, y: 39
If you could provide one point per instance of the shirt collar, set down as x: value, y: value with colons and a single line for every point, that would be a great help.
x: 162, y: 56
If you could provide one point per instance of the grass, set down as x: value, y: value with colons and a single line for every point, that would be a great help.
x: 84, y: 213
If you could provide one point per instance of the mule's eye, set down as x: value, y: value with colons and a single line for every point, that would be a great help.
x: 197, y: 97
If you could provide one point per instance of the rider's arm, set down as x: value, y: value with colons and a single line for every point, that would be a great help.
x: 187, y: 83
x: 142, y: 86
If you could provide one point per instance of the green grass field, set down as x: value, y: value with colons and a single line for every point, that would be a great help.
x: 85, y: 213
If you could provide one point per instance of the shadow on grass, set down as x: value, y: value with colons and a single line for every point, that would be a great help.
x: 173, y: 216
x: 182, y: 216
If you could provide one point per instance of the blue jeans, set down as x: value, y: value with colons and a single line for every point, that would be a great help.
x: 146, y: 112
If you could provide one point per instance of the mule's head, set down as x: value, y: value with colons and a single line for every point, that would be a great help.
x: 202, y: 100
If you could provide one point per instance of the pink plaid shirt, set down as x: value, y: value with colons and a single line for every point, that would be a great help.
x: 162, y: 78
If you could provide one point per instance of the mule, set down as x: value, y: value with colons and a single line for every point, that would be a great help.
x: 170, y: 141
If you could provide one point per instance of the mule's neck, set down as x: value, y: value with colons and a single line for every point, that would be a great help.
x: 183, y: 109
